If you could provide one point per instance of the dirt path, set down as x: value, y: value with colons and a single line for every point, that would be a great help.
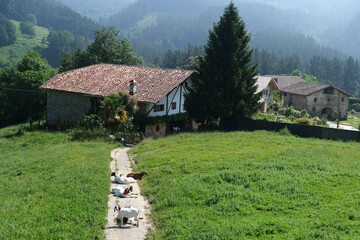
x: 121, y: 165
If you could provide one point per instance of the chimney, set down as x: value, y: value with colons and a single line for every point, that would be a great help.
x: 132, y: 87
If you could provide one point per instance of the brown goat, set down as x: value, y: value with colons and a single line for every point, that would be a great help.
x: 137, y: 176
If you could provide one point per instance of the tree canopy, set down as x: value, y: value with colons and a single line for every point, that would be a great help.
x: 107, y: 48
x: 20, y: 96
x: 223, y: 88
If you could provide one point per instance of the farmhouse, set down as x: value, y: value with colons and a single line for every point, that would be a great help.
x: 317, y: 99
x: 266, y: 85
x: 72, y: 95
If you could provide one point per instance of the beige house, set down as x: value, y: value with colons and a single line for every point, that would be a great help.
x: 267, y: 86
x: 317, y: 99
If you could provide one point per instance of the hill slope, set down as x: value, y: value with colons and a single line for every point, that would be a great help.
x: 13, y: 53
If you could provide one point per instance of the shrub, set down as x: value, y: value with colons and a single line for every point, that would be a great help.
x: 352, y: 111
x: 304, y: 113
x: 93, y: 121
x: 285, y: 131
x: 90, y: 134
x: 303, y: 120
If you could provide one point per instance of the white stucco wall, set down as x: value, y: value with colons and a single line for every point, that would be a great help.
x: 175, y: 96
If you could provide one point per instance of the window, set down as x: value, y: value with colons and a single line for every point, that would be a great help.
x: 342, y: 99
x: 315, y: 99
x: 173, y: 106
x: 313, y: 109
x: 285, y: 94
x: 329, y: 91
x: 159, y: 108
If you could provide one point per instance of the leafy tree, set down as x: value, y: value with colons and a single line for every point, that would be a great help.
x: 31, y: 18
x: 7, y: 31
x: 22, y: 99
x: 27, y: 28
x: 63, y: 42
x: 223, y: 88
x: 107, y: 48
x: 307, y: 78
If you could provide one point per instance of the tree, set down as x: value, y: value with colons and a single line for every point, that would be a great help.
x: 307, y: 78
x: 107, y: 48
x: 7, y: 31
x: 22, y: 99
x: 351, y: 75
x: 117, y: 109
x: 27, y: 28
x: 223, y: 88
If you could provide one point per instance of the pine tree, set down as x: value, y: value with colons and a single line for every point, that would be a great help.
x: 223, y: 87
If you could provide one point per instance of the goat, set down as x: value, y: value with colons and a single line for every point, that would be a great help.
x: 129, y: 212
x: 122, y: 180
x: 122, y: 192
x: 137, y: 176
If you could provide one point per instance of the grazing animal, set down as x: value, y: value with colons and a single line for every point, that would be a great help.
x: 128, y: 212
x: 122, y: 192
x: 122, y: 180
x: 137, y: 176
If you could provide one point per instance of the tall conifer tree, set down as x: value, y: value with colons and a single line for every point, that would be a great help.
x: 223, y: 87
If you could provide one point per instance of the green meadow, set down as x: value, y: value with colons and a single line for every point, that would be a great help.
x: 52, y: 187
x: 251, y: 185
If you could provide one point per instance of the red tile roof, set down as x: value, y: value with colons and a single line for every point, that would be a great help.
x: 152, y: 84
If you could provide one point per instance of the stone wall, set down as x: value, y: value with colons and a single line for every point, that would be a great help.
x: 320, y: 103
x: 66, y: 107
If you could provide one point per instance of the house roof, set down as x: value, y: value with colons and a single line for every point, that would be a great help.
x: 306, y: 89
x: 262, y: 82
x: 284, y: 81
x: 152, y: 84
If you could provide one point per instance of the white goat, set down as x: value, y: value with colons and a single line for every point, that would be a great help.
x: 122, y: 180
x: 128, y: 212
x: 123, y: 192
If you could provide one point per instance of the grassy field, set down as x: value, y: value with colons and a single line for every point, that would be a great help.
x: 13, y: 53
x: 52, y: 187
x: 244, y: 185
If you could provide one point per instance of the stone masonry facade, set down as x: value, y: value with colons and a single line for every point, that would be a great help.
x: 324, y: 102
x: 66, y: 107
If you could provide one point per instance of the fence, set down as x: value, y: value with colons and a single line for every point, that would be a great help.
x: 299, y: 130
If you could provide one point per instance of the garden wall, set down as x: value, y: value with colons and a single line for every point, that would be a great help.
x: 298, y: 129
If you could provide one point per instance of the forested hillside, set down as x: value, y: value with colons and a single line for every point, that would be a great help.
x: 50, y: 14
x: 95, y: 9
x: 155, y: 26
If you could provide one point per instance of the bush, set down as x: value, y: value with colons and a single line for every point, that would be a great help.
x: 93, y: 121
x: 304, y: 113
x: 352, y: 111
x: 27, y: 28
x: 285, y: 131
x: 90, y: 134
x: 304, y: 120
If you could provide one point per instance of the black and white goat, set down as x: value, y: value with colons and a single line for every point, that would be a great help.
x: 122, y: 180
x: 123, y: 192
